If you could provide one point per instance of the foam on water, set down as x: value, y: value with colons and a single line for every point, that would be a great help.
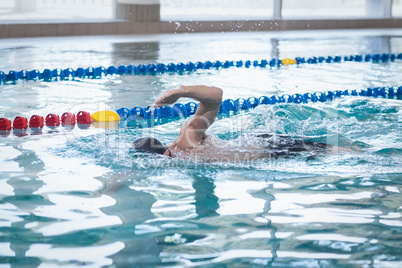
x: 366, y: 130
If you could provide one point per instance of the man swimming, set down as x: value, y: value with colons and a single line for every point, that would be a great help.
x: 194, y: 142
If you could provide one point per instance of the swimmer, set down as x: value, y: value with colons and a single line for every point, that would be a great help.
x: 194, y: 142
x: 192, y: 133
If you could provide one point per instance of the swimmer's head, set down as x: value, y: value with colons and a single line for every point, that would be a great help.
x: 151, y: 145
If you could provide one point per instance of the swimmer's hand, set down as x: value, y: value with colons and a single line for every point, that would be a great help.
x: 209, y: 96
x: 167, y: 97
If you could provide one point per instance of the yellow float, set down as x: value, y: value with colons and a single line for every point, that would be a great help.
x: 105, y: 116
x: 105, y: 119
x: 288, y: 61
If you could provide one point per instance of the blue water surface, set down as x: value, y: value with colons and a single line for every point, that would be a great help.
x: 80, y: 197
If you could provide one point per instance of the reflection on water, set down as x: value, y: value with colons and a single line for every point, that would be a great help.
x: 19, y: 206
x: 133, y: 208
x: 136, y: 53
x: 333, y: 210
x: 79, y: 198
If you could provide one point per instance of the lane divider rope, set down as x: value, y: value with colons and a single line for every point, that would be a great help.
x: 140, y: 116
x: 230, y: 105
x: 154, y: 69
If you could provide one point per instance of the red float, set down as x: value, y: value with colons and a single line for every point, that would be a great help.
x: 36, y: 121
x: 5, y: 124
x: 83, y: 118
x: 20, y: 123
x: 52, y: 120
x: 68, y: 119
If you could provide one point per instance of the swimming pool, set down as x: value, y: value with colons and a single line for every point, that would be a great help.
x: 79, y: 198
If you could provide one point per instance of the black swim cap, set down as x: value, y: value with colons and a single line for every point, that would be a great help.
x: 150, y: 145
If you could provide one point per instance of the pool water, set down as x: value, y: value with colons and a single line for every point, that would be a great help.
x: 79, y: 197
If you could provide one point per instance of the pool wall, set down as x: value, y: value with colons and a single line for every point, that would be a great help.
x: 144, y: 17
x: 112, y: 27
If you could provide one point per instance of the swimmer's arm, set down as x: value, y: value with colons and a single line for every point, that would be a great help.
x: 210, y: 99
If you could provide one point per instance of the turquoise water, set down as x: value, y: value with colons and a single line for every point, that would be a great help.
x: 80, y: 198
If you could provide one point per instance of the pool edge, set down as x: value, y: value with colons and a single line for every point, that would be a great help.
x: 52, y: 28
